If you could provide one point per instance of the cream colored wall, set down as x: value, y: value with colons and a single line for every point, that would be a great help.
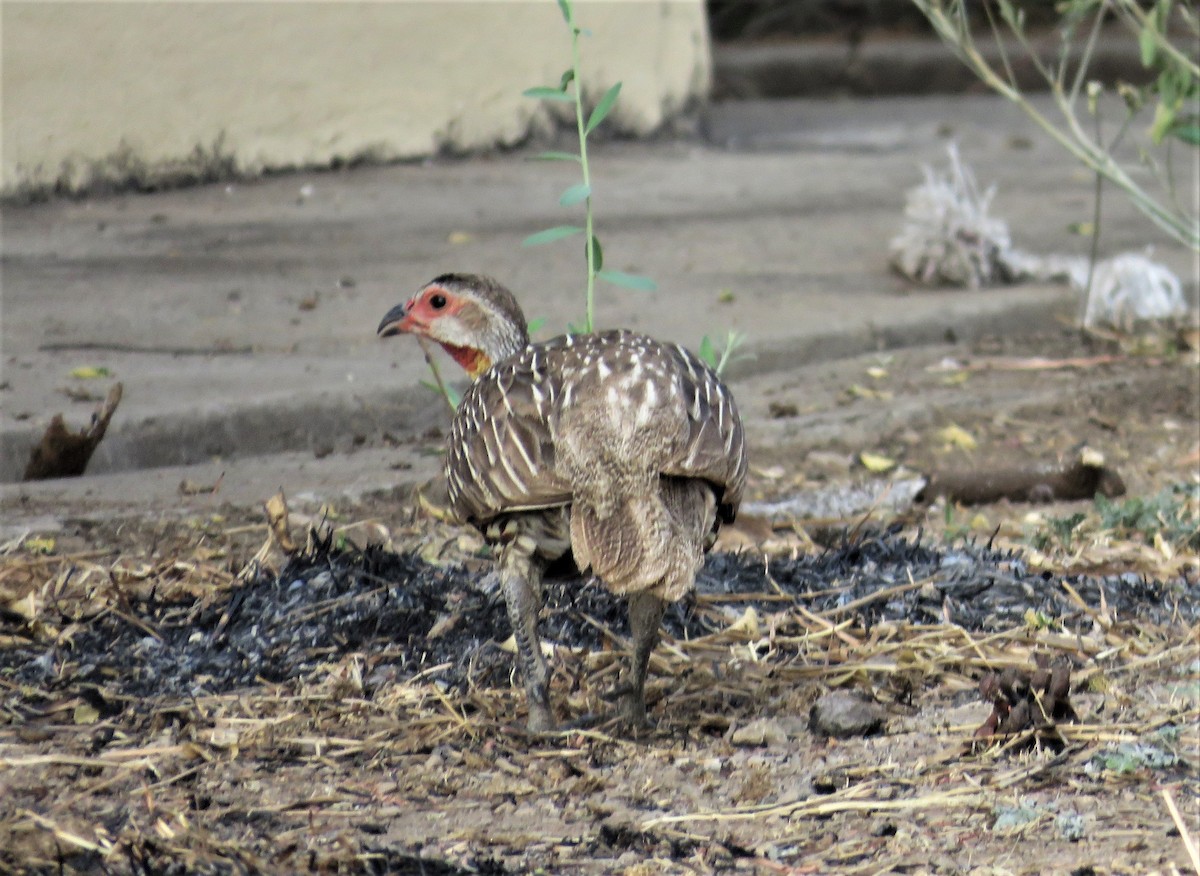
x: 93, y: 89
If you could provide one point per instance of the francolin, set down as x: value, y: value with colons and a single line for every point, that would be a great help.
x: 627, y: 451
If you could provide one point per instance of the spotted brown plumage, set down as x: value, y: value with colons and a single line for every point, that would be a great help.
x: 627, y: 451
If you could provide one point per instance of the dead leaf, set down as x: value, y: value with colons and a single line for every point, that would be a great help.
x: 277, y: 520
x: 85, y: 713
x: 957, y: 436
x: 875, y: 462
x: 856, y: 390
x: 26, y: 607
x: 747, y: 623
x: 39, y: 544
x: 90, y: 372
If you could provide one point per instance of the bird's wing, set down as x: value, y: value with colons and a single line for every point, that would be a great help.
x: 500, y: 457
x: 635, y: 404
x: 714, y: 446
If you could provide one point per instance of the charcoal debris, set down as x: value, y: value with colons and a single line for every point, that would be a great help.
x: 407, y: 617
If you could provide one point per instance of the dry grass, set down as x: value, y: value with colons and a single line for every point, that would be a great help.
x: 334, y: 772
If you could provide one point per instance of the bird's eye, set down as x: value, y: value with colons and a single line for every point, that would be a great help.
x: 437, y: 301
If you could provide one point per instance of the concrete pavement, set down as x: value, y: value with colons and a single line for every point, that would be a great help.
x: 241, y: 317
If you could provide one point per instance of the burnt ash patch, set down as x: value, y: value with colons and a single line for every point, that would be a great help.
x: 410, y: 616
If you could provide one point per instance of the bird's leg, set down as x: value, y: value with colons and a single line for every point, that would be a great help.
x: 521, y: 577
x: 645, y: 619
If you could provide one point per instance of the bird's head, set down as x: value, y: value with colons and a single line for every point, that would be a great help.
x: 475, y: 319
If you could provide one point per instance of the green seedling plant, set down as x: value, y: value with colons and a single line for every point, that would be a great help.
x: 1170, y: 517
x: 719, y: 360
x: 570, y: 90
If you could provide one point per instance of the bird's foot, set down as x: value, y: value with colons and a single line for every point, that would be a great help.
x: 540, y: 719
x: 631, y: 706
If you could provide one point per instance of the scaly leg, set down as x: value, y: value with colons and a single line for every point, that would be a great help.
x: 521, y: 578
x: 645, y: 619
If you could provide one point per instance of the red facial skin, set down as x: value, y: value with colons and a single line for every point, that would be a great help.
x: 420, y: 314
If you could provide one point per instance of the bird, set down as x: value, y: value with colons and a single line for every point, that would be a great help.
x: 625, y: 452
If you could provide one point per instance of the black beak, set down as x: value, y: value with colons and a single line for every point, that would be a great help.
x: 391, y: 321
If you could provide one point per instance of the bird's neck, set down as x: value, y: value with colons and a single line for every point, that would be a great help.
x: 473, y: 361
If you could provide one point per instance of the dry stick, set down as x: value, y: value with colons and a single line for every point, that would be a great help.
x: 27, y: 560
x: 1184, y: 834
x: 875, y: 597
x: 1083, y: 606
x: 1188, y: 649
x: 829, y: 626
x: 59, y: 833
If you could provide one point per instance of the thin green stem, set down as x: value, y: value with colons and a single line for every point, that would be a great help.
x: 1094, y: 252
x: 1137, y: 18
x: 437, y: 374
x: 733, y: 340
x: 1070, y: 136
x: 580, y: 122
x: 1085, y: 60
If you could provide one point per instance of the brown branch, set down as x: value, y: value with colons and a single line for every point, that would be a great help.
x: 62, y: 453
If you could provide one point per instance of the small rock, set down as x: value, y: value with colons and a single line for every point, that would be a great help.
x: 843, y: 715
x: 764, y: 731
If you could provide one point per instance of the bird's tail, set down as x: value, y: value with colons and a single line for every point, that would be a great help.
x: 651, y: 543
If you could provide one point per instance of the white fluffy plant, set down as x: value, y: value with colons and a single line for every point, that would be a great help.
x: 949, y: 238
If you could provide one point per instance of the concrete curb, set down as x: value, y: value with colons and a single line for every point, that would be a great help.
x: 896, y: 66
x: 324, y: 422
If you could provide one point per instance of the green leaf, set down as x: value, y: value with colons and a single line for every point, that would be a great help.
x: 1147, y: 43
x: 1012, y: 16
x: 545, y: 92
x: 603, y: 108
x: 575, y: 194
x: 1162, y: 9
x: 564, y: 6
x: 558, y: 232
x: 566, y: 79
x: 597, y: 255
x: 535, y: 324
x: 1188, y: 133
x: 629, y: 281
x: 1164, y: 118
x: 707, y: 353
x: 555, y: 156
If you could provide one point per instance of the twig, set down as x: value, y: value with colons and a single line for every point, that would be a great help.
x: 1181, y: 826
x: 60, y: 833
x: 885, y: 593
